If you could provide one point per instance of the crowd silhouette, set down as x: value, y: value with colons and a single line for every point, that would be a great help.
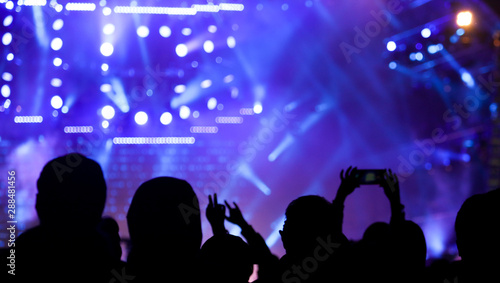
x: 74, y: 243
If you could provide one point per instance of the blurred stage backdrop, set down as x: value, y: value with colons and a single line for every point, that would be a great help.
x: 258, y: 101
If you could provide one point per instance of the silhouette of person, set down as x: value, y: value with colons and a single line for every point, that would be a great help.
x: 477, y: 228
x: 165, y: 231
x: 67, y: 245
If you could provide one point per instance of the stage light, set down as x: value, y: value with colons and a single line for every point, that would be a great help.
x: 55, y: 82
x: 154, y: 140
x: 393, y: 65
x: 467, y: 78
x: 7, y: 76
x: 212, y: 29
x: 186, y: 31
x: 104, y: 67
x: 8, y: 20
x: 184, y: 112
x: 10, y: 57
x: 464, y: 19
x: 419, y: 56
x: 9, y: 5
x: 208, y: 46
x: 426, y: 33
x: 460, y: 32
x: 56, y: 44
x: 228, y: 120
x: 57, y: 61
x: 194, y: 64
x: 105, y: 88
x: 231, y: 42
x: 107, y: 49
x: 56, y: 102
x: 78, y: 129
x: 228, y: 78
x: 142, y: 31
x: 179, y: 88
x: 196, y: 114
x: 58, y: 24
x: 105, y: 124
x: 181, y: 50
x: 64, y: 109
x: 7, y: 38
x: 165, y: 31
x: 391, y: 46
x: 413, y: 57
x: 106, y: 11
x: 206, y: 84
x: 5, y: 90
x: 141, y: 118
x: 166, y: 118
x: 257, y: 108
x: 58, y: 8
x: 204, y: 130
x: 108, y: 112
x: 212, y: 103
x: 28, y: 119
x: 108, y: 29
x: 231, y: 7
x: 80, y: 6
x: 465, y: 157
x: 7, y: 103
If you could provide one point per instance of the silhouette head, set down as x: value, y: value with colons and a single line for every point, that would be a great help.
x: 71, y: 191
x: 477, y: 228
x: 165, y: 213
x: 226, y: 258
x: 307, y: 218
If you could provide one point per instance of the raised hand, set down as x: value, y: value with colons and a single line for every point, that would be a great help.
x: 390, y: 184
x: 348, y: 183
x: 216, y: 214
x: 235, y: 215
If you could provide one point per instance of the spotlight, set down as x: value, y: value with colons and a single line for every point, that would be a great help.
x: 5, y: 91
x: 391, y: 46
x: 56, y: 102
x: 142, y: 31
x: 7, y: 38
x: 108, y: 112
x: 257, y: 108
x: 212, y: 103
x: 58, y: 24
x: 56, y: 43
x: 107, y: 49
x: 208, y: 46
x: 165, y: 31
x: 426, y: 33
x: 184, y: 112
x: 464, y: 19
x: 141, y: 118
x: 108, y: 29
x: 166, y: 118
x: 181, y: 50
x: 57, y: 62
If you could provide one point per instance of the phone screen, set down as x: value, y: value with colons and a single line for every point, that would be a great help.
x: 370, y: 176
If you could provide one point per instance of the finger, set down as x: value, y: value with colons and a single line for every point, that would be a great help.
x: 210, y: 203
x: 227, y: 204
x: 348, y: 172
x: 215, y: 199
x: 236, y: 207
x: 342, y: 174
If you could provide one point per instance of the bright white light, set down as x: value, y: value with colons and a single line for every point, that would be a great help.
x: 208, y: 46
x: 186, y: 31
x: 8, y: 20
x: 106, y: 11
x: 212, y: 29
x: 7, y: 76
x: 57, y: 62
x: 56, y: 102
x: 391, y: 46
x: 393, y: 65
x: 108, y: 112
x: 184, y: 112
x: 7, y: 104
x: 7, y: 38
x: 181, y: 50
x: 108, y: 29
x: 105, y: 124
x: 166, y: 118
x: 231, y: 42
x: 80, y: 6
x: 58, y: 8
x: 165, y: 31
x: 228, y: 78
x: 55, y: 82
x: 257, y: 108
x: 464, y: 19
x: 58, y: 24
x: 206, y: 84
x: 56, y: 44
x: 179, y: 88
x: 419, y: 56
x: 107, y: 49
x: 64, y: 109
x: 106, y: 88
x: 426, y: 33
x: 212, y: 103
x: 231, y: 7
x: 104, y: 67
x: 467, y: 78
x: 142, y: 31
x: 9, y: 5
x: 5, y: 90
x: 10, y: 57
x: 141, y: 118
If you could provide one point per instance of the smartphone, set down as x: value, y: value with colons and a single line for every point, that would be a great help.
x: 370, y: 176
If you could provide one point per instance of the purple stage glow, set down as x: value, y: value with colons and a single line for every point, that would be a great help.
x: 260, y: 102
